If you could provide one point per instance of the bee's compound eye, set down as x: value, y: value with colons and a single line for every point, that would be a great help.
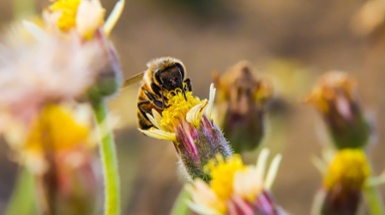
x: 157, y: 76
x: 181, y: 69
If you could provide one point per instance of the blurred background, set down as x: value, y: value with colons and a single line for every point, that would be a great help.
x: 290, y: 42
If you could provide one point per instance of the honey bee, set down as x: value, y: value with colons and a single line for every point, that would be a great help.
x: 162, y: 76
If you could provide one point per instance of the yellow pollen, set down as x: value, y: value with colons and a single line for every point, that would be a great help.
x: 349, y: 169
x: 222, y: 173
x: 177, y: 108
x: 56, y: 129
x: 68, y: 10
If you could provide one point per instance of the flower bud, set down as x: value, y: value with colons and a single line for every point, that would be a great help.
x: 84, y: 21
x: 197, y: 145
x: 336, y: 97
x: 109, y: 78
x: 240, y: 106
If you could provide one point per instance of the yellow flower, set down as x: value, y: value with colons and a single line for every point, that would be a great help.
x: 67, y: 10
x: 86, y: 16
x: 179, y: 109
x: 233, y: 182
x: 58, y: 128
x: 219, y: 167
x: 349, y: 169
x: 187, y: 122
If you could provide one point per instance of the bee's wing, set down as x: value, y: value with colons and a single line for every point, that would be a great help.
x: 133, y: 79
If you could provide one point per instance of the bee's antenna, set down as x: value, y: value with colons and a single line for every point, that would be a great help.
x: 183, y: 91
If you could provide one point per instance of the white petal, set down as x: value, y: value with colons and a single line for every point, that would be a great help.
x: 202, y: 209
x: 247, y: 183
x: 272, y: 172
x: 261, y: 163
x: 194, y: 115
x: 114, y: 17
x: 152, y: 120
x: 89, y: 17
x: 35, y: 31
x: 156, y: 115
x: 159, y: 134
x: 210, y: 106
x: 375, y: 181
x: 320, y: 164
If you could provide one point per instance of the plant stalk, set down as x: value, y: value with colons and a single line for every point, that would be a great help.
x: 22, y: 199
x: 180, y: 206
x: 374, y: 200
x: 109, y: 159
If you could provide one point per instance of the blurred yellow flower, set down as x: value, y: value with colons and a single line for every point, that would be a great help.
x: 67, y: 10
x: 58, y: 128
x: 84, y: 16
x: 219, y: 167
x: 35, y: 73
x: 349, y: 169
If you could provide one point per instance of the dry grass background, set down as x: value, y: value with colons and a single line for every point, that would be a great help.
x: 212, y: 35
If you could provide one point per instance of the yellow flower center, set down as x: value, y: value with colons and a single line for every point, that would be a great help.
x: 349, y: 169
x: 222, y: 173
x: 56, y: 129
x: 68, y: 10
x: 177, y: 108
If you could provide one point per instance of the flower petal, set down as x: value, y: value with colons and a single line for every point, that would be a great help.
x: 159, y: 134
x: 272, y: 172
x: 261, y: 163
x: 210, y: 106
x: 114, y: 17
x: 35, y: 31
x: 194, y: 115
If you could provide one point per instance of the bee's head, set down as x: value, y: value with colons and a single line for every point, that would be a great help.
x: 171, y: 77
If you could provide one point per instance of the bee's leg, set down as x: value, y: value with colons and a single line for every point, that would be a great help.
x: 152, y: 98
x: 188, y: 84
x: 162, y: 99
x: 142, y: 109
x: 158, y: 90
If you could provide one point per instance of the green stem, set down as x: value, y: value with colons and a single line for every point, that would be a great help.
x: 180, y: 206
x: 109, y: 159
x: 21, y: 202
x: 374, y: 200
